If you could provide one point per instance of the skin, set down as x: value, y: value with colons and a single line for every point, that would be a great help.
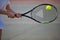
x: 10, y: 13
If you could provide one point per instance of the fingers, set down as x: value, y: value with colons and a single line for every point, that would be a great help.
x: 14, y: 15
x: 18, y: 15
x: 11, y: 16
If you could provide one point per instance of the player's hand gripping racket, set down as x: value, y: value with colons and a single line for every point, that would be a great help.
x: 43, y: 13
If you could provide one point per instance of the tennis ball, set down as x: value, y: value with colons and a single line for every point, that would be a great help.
x: 48, y: 8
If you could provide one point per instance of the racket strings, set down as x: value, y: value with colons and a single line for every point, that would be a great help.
x: 43, y: 15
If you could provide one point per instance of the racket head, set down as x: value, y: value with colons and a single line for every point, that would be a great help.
x: 42, y: 15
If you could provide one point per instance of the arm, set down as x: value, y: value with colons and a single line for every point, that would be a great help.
x: 3, y: 12
x: 10, y: 12
x: 8, y: 8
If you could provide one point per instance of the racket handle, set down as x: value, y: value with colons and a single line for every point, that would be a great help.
x: 15, y: 14
x: 22, y: 14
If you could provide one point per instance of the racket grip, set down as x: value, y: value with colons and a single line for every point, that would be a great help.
x: 22, y: 14
x: 15, y: 14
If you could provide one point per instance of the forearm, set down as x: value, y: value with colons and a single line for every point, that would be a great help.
x: 3, y: 12
x: 8, y: 8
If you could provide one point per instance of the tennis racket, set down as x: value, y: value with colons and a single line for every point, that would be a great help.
x: 41, y: 14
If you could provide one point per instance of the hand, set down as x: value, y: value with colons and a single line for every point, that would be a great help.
x: 18, y: 15
x: 14, y: 15
x: 11, y: 15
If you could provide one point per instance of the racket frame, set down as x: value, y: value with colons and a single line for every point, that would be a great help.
x: 24, y: 14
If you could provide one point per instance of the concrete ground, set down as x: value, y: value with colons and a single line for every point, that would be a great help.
x: 27, y: 29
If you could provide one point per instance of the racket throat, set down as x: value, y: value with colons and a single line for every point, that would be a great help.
x: 31, y: 18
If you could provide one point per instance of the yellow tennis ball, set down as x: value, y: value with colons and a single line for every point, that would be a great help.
x: 48, y: 8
